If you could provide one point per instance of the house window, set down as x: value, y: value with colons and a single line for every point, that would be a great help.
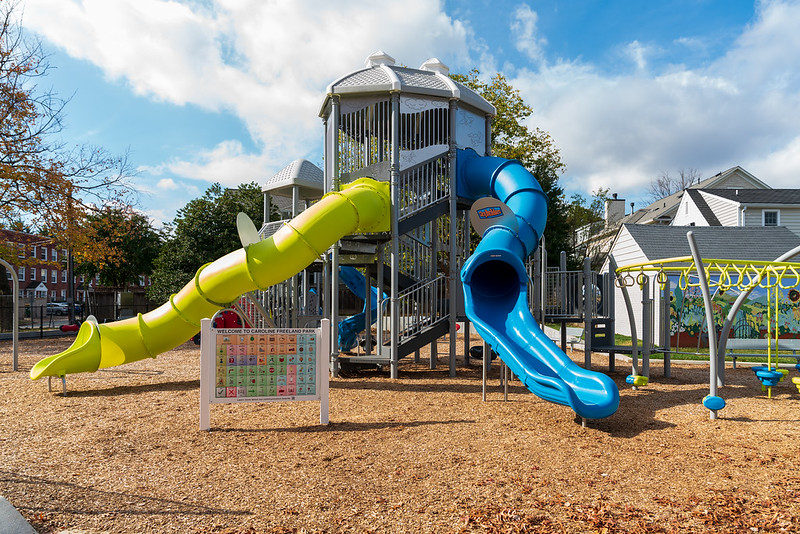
x: 44, y: 275
x: 770, y: 217
x: 54, y: 254
x: 33, y: 274
x: 44, y: 253
x: 21, y: 273
x: 63, y: 294
x: 54, y: 276
x: 64, y: 275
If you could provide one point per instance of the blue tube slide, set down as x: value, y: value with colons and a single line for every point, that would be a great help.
x: 496, y: 290
x: 351, y: 326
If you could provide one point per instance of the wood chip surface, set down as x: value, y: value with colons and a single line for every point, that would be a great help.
x: 122, y: 453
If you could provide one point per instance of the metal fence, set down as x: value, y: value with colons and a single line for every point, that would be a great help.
x: 43, y: 317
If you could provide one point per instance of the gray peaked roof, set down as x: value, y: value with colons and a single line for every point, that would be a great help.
x: 702, y: 205
x: 302, y: 173
x: 756, y: 243
x: 758, y: 196
x: 666, y: 207
x: 381, y: 75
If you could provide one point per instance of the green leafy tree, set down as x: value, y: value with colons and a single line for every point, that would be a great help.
x: 131, y: 244
x: 512, y: 138
x: 204, y: 230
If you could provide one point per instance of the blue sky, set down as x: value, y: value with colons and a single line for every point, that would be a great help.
x: 229, y: 90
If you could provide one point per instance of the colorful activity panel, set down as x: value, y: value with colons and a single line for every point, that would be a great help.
x: 274, y: 364
x: 263, y: 365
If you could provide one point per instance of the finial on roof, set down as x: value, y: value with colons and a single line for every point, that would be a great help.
x: 378, y: 58
x: 435, y: 65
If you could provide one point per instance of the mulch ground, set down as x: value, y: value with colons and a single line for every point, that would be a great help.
x: 122, y: 453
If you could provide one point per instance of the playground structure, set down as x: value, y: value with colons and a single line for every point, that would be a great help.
x: 722, y: 274
x: 423, y: 140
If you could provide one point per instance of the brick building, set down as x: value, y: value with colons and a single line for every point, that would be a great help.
x: 42, y: 269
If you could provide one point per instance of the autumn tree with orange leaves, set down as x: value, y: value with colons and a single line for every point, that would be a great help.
x: 46, y: 185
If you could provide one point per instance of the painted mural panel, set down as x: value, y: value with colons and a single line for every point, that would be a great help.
x: 753, y: 320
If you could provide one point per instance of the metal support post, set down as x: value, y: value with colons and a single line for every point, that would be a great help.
x: 712, y: 338
x: 453, y: 282
x: 394, y: 179
x: 647, y: 325
x: 588, y: 312
x: 665, y: 328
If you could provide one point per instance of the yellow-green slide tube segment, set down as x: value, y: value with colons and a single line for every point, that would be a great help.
x: 364, y: 206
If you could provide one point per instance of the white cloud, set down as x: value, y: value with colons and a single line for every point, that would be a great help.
x: 167, y: 184
x: 159, y: 217
x: 226, y: 163
x: 782, y: 165
x: 621, y: 130
x: 637, y: 53
x: 524, y: 29
x: 266, y: 62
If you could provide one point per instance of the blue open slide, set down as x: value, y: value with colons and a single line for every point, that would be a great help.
x: 351, y: 326
x: 496, y: 290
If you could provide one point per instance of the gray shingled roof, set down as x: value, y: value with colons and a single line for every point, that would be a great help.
x: 702, y: 205
x: 666, y: 207
x: 757, y: 243
x: 758, y: 196
x: 383, y: 76
x: 302, y: 173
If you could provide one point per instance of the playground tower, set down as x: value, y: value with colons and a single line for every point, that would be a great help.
x: 403, y: 126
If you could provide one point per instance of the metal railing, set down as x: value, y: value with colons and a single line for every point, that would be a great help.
x: 271, y: 227
x: 424, y: 185
x: 419, y: 307
x: 416, y: 257
x: 564, y: 293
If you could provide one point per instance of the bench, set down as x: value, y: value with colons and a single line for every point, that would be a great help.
x: 734, y: 348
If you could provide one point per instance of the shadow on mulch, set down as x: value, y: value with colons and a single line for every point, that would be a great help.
x: 138, y: 389
x: 91, y: 501
x: 346, y: 427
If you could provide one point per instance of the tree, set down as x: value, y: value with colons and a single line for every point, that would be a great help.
x: 534, y: 148
x: 131, y: 242
x: 43, y: 181
x: 586, y: 221
x: 203, y: 230
x: 665, y: 184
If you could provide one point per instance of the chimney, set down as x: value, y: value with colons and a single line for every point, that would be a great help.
x: 615, y: 210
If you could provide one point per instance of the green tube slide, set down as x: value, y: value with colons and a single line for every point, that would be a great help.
x: 364, y: 206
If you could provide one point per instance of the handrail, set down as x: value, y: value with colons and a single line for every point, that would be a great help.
x: 419, y: 307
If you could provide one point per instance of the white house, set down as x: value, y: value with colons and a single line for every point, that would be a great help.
x: 598, y: 238
x: 740, y: 207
